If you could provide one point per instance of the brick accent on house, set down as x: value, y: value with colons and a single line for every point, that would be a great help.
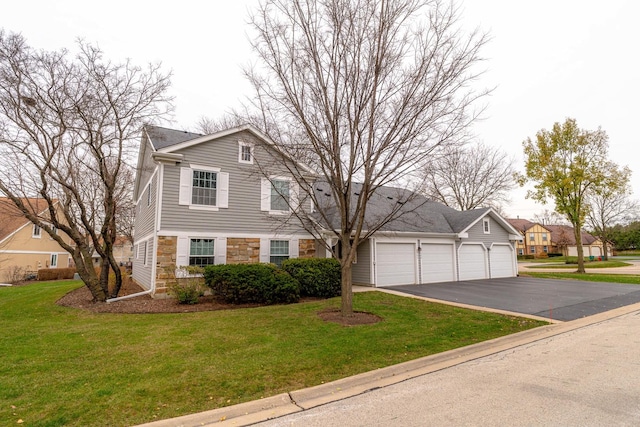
x: 166, y: 257
x: 307, y: 248
x: 243, y: 250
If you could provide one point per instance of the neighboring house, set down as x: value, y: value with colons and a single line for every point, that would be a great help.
x: 203, y: 200
x: 122, y: 252
x: 24, y: 246
x: 432, y: 243
x: 538, y: 239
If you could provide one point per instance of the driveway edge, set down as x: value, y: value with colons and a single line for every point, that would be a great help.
x: 287, y: 403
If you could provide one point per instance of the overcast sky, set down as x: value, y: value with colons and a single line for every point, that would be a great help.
x: 548, y: 60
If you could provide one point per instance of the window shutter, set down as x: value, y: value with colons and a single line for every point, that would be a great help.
x: 223, y: 189
x: 221, y: 250
x: 265, y: 195
x: 186, y: 177
x: 264, y: 250
x: 295, y: 195
x: 182, y: 251
x: 294, y: 248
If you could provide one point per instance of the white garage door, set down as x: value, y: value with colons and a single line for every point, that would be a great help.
x: 472, y: 262
x: 396, y: 264
x: 502, y: 264
x: 595, y: 251
x: 437, y: 263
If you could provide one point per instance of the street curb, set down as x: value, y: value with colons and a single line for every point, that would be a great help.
x: 248, y: 413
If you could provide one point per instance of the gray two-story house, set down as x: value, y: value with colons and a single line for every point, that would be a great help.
x: 225, y: 198
x: 211, y: 199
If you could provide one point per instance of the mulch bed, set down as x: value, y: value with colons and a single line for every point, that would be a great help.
x: 81, y: 299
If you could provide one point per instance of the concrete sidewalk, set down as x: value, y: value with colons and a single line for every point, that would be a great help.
x: 302, y: 400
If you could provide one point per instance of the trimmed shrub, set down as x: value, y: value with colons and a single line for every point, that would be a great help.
x: 554, y: 254
x: 56, y: 273
x: 524, y: 257
x: 318, y: 277
x: 186, y: 283
x: 252, y: 284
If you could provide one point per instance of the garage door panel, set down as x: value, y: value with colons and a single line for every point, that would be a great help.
x: 472, y: 262
x: 437, y: 263
x: 502, y: 262
x: 396, y: 264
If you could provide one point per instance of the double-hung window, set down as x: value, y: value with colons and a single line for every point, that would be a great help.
x: 201, y: 252
x: 54, y: 261
x: 280, y: 195
x: 544, y: 237
x: 37, y: 231
x: 204, y: 188
x: 278, y: 251
x: 245, y: 152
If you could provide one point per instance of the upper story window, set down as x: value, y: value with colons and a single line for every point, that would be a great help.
x: 544, y: 237
x: 279, y: 195
x: 485, y: 226
x: 203, y: 187
x: 36, y: 232
x: 245, y: 152
x: 532, y: 237
x: 149, y: 194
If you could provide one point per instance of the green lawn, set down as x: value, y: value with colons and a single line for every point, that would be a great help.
x: 613, y: 278
x: 587, y: 264
x: 62, y: 366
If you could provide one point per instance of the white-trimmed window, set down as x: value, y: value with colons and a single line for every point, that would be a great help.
x: 144, y: 253
x: 545, y: 249
x: 203, y: 187
x: 532, y: 237
x: 520, y: 251
x: 54, y: 229
x: 279, y: 195
x: 278, y: 251
x: 202, y: 252
x: 54, y: 261
x: 532, y: 249
x: 486, y: 226
x: 136, y: 250
x: 36, y: 232
x: 149, y: 194
x: 245, y: 152
x: 544, y: 237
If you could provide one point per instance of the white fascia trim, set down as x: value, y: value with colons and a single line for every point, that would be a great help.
x: 155, y: 171
x: 11, y: 251
x: 213, y: 234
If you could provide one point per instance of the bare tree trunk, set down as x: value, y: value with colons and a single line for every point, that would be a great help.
x: 578, y: 235
x: 346, y: 308
x: 605, y: 255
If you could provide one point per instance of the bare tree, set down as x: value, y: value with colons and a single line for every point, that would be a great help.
x: 66, y: 125
x: 547, y: 217
x: 470, y: 177
x: 361, y: 91
x: 611, y: 204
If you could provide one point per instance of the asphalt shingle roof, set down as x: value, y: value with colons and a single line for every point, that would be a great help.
x: 163, y: 137
x: 417, y: 213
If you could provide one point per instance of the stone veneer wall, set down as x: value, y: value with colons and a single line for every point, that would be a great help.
x: 243, y: 250
x: 307, y: 248
x: 166, y: 257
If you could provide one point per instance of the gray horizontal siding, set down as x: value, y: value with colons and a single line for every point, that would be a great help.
x: 145, y: 215
x: 243, y: 214
x: 142, y: 273
x: 361, y: 270
x: 497, y: 233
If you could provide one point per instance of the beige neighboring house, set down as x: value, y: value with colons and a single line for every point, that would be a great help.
x: 122, y: 252
x: 24, y: 245
x: 539, y: 240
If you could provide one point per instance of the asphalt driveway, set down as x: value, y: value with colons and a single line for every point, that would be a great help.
x: 554, y: 299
